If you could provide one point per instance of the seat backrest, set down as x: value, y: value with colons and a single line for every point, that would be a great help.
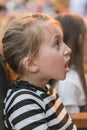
x: 80, y: 119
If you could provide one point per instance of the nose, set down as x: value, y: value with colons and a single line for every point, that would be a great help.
x: 67, y: 50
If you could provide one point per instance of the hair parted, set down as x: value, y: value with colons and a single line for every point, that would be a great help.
x: 23, y: 37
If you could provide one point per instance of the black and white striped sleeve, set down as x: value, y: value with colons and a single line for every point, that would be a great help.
x: 26, y: 112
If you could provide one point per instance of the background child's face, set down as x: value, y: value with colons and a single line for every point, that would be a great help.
x: 53, y: 55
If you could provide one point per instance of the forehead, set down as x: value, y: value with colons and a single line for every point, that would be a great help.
x: 57, y: 29
x: 52, y: 30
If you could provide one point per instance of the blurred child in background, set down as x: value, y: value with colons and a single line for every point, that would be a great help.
x: 73, y: 89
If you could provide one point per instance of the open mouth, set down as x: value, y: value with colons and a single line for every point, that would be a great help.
x: 66, y: 67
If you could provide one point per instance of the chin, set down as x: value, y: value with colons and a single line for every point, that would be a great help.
x: 62, y: 78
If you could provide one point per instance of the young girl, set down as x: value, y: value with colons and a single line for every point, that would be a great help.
x: 34, y: 48
x: 73, y: 89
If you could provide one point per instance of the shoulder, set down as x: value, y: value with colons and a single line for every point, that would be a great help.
x: 72, y: 78
x: 72, y: 74
x: 22, y: 97
x: 72, y: 84
x: 21, y: 105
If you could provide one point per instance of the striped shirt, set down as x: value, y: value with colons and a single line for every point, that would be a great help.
x: 28, y: 107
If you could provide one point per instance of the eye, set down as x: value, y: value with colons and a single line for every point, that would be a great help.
x: 57, y: 43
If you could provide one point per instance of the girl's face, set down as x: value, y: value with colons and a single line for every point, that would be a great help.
x: 53, y: 56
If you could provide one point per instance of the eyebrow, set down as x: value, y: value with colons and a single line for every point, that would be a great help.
x: 58, y: 36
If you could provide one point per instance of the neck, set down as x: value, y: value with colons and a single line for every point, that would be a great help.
x: 36, y: 82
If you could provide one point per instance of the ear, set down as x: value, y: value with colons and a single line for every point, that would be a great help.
x: 30, y: 66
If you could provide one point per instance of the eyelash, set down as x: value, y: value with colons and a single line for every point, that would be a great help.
x: 57, y: 43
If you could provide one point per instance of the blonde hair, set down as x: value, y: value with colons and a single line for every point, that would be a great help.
x: 23, y: 38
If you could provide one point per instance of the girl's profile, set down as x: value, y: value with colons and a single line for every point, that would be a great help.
x: 33, y: 47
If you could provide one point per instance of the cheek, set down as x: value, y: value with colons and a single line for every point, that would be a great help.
x: 57, y: 64
x: 51, y: 62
